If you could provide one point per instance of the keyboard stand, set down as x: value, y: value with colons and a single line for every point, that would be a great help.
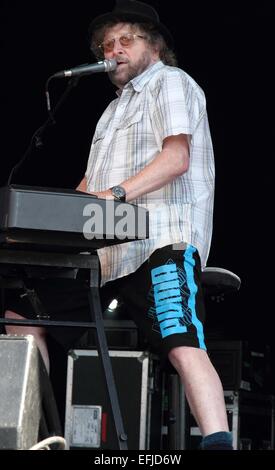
x: 81, y: 261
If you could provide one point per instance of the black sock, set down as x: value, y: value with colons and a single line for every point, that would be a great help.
x: 217, y: 441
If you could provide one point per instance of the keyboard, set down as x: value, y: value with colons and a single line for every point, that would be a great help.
x: 66, y: 220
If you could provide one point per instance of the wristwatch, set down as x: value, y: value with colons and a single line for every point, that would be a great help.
x: 119, y: 193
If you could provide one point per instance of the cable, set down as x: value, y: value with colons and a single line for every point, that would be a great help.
x: 44, y: 445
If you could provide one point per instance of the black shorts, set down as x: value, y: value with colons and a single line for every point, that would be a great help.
x: 164, y: 298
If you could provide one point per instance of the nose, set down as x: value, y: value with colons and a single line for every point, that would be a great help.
x: 118, y: 49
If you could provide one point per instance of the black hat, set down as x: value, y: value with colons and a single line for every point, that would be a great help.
x: 133, y: 11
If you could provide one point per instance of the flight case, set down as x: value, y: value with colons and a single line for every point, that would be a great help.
x: 139, y: 381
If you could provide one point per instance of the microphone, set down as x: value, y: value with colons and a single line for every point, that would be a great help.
x: 103, y: 66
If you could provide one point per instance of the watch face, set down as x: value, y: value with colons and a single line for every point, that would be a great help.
x: 119, y: 193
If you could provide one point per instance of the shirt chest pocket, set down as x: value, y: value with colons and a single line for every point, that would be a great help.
x: 99, y: 136
x: 130, y: 120
x: 127, y: 124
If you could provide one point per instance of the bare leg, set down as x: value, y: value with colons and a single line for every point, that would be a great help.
x: 202, y: 387
x: 39, y: 334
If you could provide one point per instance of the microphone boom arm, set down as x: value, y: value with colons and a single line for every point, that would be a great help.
x: 36, y: 139
x: 75, y: 73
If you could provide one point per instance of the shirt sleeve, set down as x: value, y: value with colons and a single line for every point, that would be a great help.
x: 179, y: 104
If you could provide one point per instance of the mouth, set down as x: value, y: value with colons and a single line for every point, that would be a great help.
x: 121, y: 63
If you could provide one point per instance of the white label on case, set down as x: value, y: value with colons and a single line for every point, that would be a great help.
x: 86, y: 426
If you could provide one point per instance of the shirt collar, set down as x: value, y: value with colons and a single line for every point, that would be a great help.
x: 141, y: 80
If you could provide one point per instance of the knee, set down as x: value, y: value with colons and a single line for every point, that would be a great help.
x: 22, y: 330
x: 11, y: 314
x: 178, y: 356
x: 12, y: 329
x: 185, y: 356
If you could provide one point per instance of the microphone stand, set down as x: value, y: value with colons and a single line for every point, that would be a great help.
x: 36, y: 139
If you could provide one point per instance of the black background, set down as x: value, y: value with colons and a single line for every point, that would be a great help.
x: 227, y: 48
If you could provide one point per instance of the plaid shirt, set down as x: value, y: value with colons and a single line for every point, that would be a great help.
x: 161, y: 102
